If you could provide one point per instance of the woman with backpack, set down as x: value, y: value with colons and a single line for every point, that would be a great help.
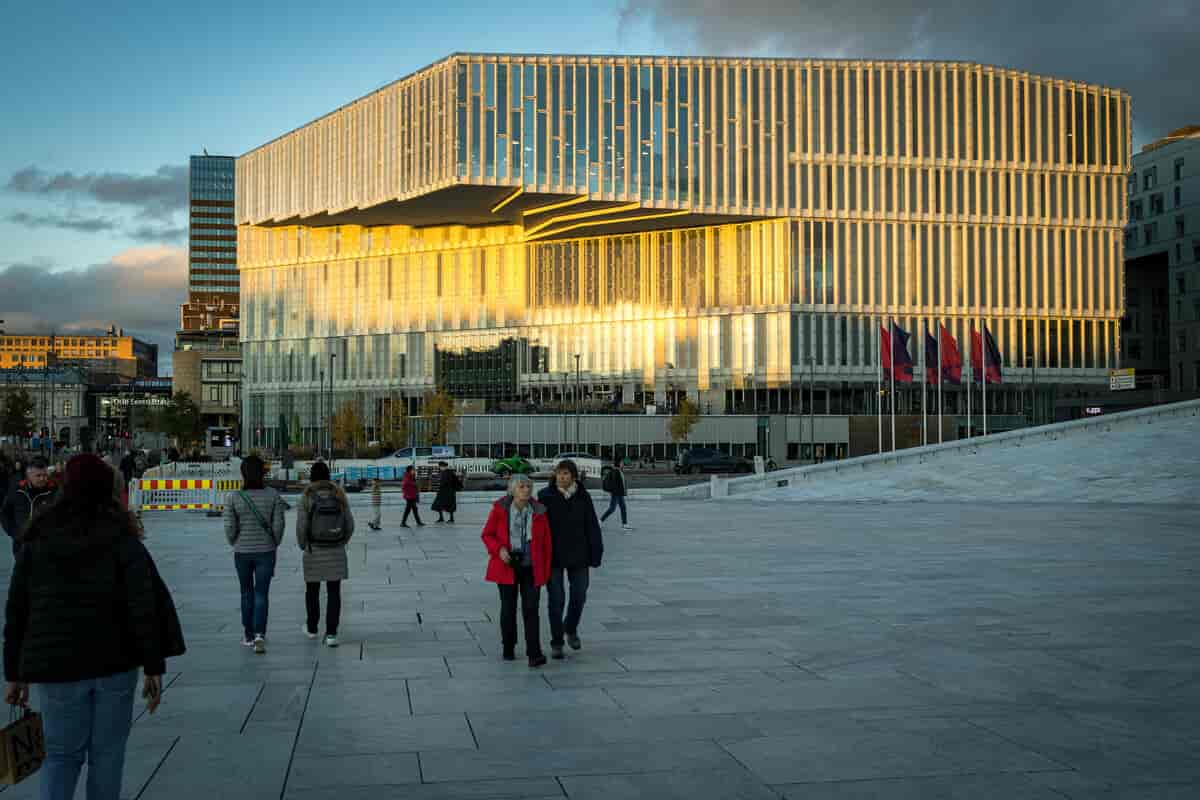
x: 254, y: 525
x: 324, y: 526
x: 412, y: 493
x: 86, y: 609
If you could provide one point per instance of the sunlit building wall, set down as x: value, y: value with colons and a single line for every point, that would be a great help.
x: 700, y: 226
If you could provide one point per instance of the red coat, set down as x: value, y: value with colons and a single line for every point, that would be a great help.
x: 495, y: 536
x: 408, y: 486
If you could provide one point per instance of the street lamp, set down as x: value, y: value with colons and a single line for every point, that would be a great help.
x: 578, y: 398
x: 332, y: 360
x: 1031, y: 362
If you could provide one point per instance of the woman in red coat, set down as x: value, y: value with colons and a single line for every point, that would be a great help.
x: 411, y: 492
x: 517, y: 537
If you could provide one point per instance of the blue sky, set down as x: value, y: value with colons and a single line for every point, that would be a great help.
x: 102, y: 106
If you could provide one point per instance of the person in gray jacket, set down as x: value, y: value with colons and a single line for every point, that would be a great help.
x: 324, y: 526
x: 254, y: 527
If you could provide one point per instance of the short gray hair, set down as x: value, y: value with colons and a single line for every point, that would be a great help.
x: 519, y: 480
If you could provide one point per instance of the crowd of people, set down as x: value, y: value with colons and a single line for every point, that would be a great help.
x: 87, y: 608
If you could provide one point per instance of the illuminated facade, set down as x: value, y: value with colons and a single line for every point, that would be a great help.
x: 723, y: 228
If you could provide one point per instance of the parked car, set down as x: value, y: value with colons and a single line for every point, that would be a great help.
x: 704, y: 459
x: 421, y: 456
x: 513, y: 465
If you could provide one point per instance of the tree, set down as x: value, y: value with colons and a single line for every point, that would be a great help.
x: 441, y: 413
x: 180, y: 419
x: 17, y: 415
x: 347, y: 427
x: 686, y: 417
x: 393, y: 422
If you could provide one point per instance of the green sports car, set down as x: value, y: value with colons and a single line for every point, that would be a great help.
x: 513, y: 465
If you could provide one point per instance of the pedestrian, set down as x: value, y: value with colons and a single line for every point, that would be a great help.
x: 26, y: 498
x: 446, y: 499
x: 614, y: 484
x: 324, y: 526
x: 412, y: 493
x: 85, y: 610
x: 376, y: 501
x: 254, y: 527
x: 577, y: 546
x: 517, y: 538
x: 128, y: 466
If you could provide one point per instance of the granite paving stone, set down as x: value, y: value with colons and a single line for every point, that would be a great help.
x: 794, y: 644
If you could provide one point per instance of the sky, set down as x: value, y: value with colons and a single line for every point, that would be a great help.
x: 103, y: 105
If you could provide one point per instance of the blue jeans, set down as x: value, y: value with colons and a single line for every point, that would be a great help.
x: 255, y: 571
x: 615, y: 501
x: 86, y: 720
x: 556, y: 594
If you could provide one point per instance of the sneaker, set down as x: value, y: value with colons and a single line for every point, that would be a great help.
x: 247, y: 641
x: 309, y: 634
x: 403, y: 524
x: 626, y: 527
x: 260, y: 645
x: 573, y: 640
x: 331, y: 640
x: 537, y: 660
x: 510, y: 653
x: 556, y: 652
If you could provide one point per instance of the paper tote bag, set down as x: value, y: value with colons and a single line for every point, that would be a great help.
x: 22, y: 747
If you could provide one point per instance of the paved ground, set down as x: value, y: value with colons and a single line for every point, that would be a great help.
x: 1155, y: 463
x: 812, y: 651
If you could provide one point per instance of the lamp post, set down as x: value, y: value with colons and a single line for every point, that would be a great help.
x: 578, y: 397
x: 321, y: 411
x: 1031, y: 362
x: 332, y: 360
x: 812, y: 394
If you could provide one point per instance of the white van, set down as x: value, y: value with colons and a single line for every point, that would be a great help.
x: 422, y: 456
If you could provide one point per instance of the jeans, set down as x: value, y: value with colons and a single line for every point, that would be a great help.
x: 255, y: 571
x: 530, y: 595
x: 312, y: 604
x: 616, y: 501
x: 410, y: 507
x: 556, y: 594
x: 90, y: 720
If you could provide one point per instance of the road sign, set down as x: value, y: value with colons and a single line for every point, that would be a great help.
x: 1120, y: 379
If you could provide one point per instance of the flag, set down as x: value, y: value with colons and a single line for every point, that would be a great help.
x: 900, y: 356
x: 951, y: 359
x: 993, y: 356
x: 885, y: 351
x: 931, y: 358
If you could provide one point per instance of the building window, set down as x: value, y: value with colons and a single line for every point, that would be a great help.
x: 1195, y: 251
x: 1150, y: 178
x: 1148, y: 234
x: 1179, y: 226
x: 1179, y: 169
x: 1135, y: 210
x: 1180, y: 283
x: 213, y: 394
x: 1133, y: 184
x: 1156, y: 204
x: 1181, y: 342
x: 1178, y: 197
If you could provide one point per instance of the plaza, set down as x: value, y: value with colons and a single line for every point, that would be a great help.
x: 1018, y: 648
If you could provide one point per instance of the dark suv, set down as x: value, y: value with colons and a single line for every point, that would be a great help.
x: 704, y: 459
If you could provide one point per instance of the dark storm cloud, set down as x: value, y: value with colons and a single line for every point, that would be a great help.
x: 139, y: 290
x: 156, y: 196
x: 1149, y: 50
x: 62, y: 222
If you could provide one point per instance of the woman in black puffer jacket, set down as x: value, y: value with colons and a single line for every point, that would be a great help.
x: 86, y: 609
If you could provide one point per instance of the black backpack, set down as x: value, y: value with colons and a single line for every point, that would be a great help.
x: 326, y: 520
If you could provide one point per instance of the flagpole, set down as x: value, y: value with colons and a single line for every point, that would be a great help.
x: 941, y: 435
x: 892, y: 376
x: 924, y: 390
x: 879, y: 382
x: 983, y: 359
x: 970, y: 378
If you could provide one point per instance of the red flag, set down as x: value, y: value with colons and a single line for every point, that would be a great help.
x: 976, y: 356
x: 885, y: 351
x: 951, y: 359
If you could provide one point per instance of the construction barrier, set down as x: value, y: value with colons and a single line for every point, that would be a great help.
x: 180, y: 494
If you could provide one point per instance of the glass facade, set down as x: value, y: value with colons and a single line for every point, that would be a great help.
x: 212, y: 246
x: 680, y: 224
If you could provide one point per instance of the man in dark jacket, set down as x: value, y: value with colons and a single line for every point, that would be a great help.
x: 25, y: 498
x: 576, y: 546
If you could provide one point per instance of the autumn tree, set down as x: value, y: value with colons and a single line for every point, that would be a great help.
x: 441, y: 415
x: 348, y: 430
x: 686, y: 417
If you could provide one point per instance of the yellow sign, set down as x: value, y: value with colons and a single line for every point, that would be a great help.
x: 1120, y: 379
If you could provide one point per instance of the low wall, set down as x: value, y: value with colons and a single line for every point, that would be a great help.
x: 726, y: 487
